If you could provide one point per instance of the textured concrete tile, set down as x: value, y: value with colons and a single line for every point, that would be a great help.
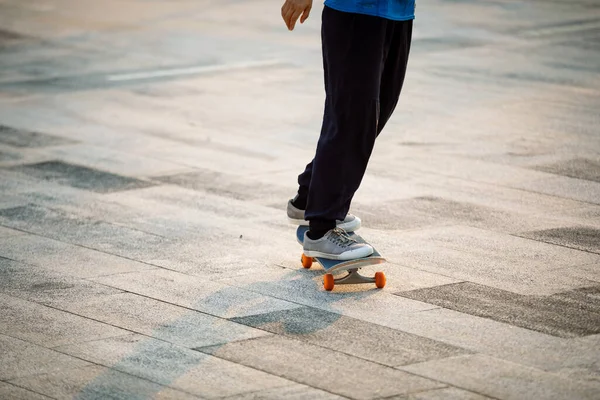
x: 571, y: 188
x: 351, y: 336
x: 227, y: 185
x: 8, y: 232
x: 8, y: 200
x: 46, y: 287
x: 306, y: 287
x: 495, y: 197
x: 579, y: 168
x: 48, y: 327
x: 428, y: 211
x: 114, y: 161
x: 8, y: 391
x: 162, y: 320
x: 289, y: 358
x: 19, y: 358
x: 196, y: 293
x: 589, y: 272
x: 574, y: 358
x: 469, y: 332
x: 24, y: 138
x: 578, y: 359
x: 450, y: 393
x: 493, y: 259
x: 292, y: 392
x: 568, y: 314
x: 577, y: 237
x: 81, y: 177
x: 60, y: 225
x: 500, y: 379
x: 95, y: 382
x: 174, y: 366
x: 65, y: 259
x: 8, y: 156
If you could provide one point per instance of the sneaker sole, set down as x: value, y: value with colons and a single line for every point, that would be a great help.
x: 346, y: 256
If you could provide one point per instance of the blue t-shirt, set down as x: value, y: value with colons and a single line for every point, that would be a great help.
x: 397, y: 10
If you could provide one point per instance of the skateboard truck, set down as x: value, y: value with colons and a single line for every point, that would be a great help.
x: 352, y: 276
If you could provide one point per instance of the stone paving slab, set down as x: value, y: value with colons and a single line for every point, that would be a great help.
x: 351, y: 336
x: 9, y: 391
x: 306, y: 288
x: 427, y: 211
x: 567, y: 314
x: 576, y: 237
x: 450, y: 393
x: 589, y: 272
x: 500, y: 379
x: 193, y: 292
x: 41, y: 286
x: 312, y: 365
x: 95, y: 382
x: 21, y: 359
x: 147, y: 153
x: 66, y: 259
x: 8, y: 232
x: 24, y: 138
x: 479, y: 256
x: 162, y: 320
x: 293, y: 392
x: 47, y: 326
x: 177, y: 367
x: 80, y: 177
x: 571, y: 188
x: 113, y: 161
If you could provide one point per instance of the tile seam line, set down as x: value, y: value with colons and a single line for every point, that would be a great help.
x: 327, y: 348
x: 584, y: 202
x: 512, y: 363
x: 253, y: 392
x: 312, y: 344
x: 93, y: 363
x: 172, y: 270
x: 197, y: 349
x: 517, y: 235
x: 84, y: 247
x: 269, y: 333
x: 449, y: 386
x: 108, y: 222
x: 28, y: 389
x: 130, y: 331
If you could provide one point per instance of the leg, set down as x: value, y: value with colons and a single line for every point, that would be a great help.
x: 353, y: 51
x: 394, y: 70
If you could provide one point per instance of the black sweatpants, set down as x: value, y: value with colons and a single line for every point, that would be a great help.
x: 365, y: 59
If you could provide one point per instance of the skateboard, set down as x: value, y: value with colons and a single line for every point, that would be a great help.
x: 351, y: 267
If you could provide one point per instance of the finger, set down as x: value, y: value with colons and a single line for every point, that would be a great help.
x: 287, y: 17
x: 284, y: 10
x: 305, y: 14
x: 294, y: 18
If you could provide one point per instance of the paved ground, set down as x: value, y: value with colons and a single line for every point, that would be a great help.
x: 148, y: 148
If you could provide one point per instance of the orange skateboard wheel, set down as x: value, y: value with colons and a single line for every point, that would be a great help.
x: 306, y: 261
x: 328, y: 282
x: 379, y: 279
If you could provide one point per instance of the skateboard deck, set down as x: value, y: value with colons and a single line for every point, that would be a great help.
x: 349, y: 266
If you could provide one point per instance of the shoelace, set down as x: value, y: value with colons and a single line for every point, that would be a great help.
x: 340, y: 237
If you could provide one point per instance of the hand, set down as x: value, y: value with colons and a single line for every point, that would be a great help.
x: 292, y: 9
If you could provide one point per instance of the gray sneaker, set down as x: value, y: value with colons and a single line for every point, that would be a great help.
x: 296, y: 216
x: 336, y: 245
